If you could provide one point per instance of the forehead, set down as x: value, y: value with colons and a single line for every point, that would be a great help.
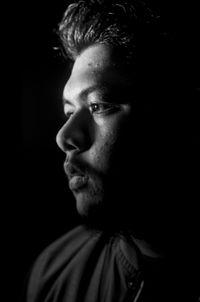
x: 94, y: 65
x: 94, y: 58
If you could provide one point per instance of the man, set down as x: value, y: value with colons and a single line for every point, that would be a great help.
x: 118, y: 145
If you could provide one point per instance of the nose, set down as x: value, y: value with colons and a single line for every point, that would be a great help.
x: 76, y: 133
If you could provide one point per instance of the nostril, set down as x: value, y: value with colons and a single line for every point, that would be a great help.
x: 70, y: 146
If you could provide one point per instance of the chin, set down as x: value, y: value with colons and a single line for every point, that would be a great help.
x: 83, y: 206
x: 89, y: 199
x: 88, y: 205
x: 95, y: 212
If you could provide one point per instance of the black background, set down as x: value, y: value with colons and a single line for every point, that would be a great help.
x: 41, y: 207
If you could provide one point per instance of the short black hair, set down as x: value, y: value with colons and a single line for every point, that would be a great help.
x: 114, y: 22
x: 132, y: 28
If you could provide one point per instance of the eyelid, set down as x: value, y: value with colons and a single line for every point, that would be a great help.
x: 106, y: 103
x: 68, y: 113
x: 105, y: 106
x: 68, y: 108
x: 108, y: 107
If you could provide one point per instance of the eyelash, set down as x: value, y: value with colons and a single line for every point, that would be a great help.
x: 68, y: 114
x: 102, y: 108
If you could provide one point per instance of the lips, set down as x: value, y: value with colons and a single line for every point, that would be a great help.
x: 77, y: 179
x: 77, y: 182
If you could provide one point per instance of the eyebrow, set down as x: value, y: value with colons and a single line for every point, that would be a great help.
x: 85, y: 92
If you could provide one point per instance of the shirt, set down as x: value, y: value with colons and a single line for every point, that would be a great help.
x: 91, y: 266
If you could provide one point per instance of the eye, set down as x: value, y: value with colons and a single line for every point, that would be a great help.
x: 99, y: 108
x: 68, y: 114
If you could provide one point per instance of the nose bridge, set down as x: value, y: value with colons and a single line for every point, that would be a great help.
x: 75, y: 134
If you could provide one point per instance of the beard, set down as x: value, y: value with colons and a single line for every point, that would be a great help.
x: 90, y: 197
x: 122, y: 202
x: 105, y: 203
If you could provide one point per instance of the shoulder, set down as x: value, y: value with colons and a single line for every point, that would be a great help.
x: 62, y: 249
x: 55, y: 258
x: 81, y: 261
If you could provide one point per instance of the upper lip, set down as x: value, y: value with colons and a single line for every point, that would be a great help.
x: 72, y: 170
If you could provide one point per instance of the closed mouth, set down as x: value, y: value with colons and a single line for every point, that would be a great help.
x: 72, y: 170
x: 77, y: 182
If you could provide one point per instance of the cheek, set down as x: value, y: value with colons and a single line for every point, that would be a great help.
x: 104, y: 147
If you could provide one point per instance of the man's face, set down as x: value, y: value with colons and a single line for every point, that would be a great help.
x: 94, y: 136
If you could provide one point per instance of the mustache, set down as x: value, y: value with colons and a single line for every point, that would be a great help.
x: 73, y: 168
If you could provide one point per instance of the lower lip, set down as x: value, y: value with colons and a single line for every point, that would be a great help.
x: 77, y: 182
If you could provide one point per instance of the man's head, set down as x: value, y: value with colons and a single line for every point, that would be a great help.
x: 109, y: 133
x: 97, y: 110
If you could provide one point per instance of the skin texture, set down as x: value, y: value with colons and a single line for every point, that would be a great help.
x: 113, y: 162
x: 94, y: 137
